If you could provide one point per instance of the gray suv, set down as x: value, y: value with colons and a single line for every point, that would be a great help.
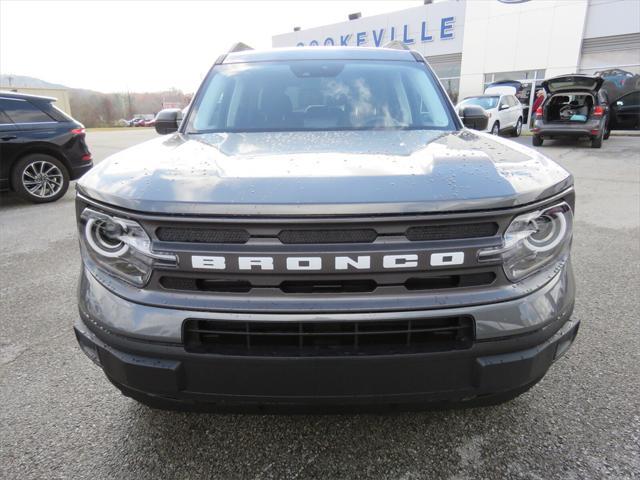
x: 321, y: 230
x: 575, y: 107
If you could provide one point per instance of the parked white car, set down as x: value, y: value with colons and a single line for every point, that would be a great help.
x: 502, y: 106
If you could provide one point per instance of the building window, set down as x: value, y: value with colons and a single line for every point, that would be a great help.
x: 447, y: 68
x: 616, y: 59
x: 452, y: 86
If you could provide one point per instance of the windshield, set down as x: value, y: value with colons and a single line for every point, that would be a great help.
x: 319, y: 95
x: 484, y: 102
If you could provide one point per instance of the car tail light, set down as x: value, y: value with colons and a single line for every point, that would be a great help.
x: 78, y: 131
x: 86, y: 157
x: 598, y: 111
x: 539, y: 113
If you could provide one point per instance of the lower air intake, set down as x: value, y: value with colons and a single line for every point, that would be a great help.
x: 333, y: 338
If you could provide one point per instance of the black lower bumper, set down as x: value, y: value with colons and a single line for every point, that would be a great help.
x: 80, y: 169
x: 167, y: 375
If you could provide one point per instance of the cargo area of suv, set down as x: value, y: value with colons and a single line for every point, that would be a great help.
x: 569, y: 108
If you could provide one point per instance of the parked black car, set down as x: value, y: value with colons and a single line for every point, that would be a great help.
x: 625, y: 112
x: 41, y: 148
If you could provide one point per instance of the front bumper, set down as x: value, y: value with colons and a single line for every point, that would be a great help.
x: 152, y: 371
x: 507, y: 360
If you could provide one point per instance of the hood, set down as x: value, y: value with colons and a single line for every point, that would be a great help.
x: 324, y: 173
x: 572, y: 83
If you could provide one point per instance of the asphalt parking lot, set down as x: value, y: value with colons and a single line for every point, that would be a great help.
x: 60, y: 418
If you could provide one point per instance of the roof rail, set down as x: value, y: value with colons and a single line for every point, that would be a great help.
x: 396, y: 45
x: 239, y: 47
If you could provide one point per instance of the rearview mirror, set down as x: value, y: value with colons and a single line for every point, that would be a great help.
x: 504, y: 106
x: 474, y: 117
x: 168, y: 120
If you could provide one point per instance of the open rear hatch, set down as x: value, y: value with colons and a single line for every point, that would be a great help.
x: 571, y: 98
x: 572, y: 83
x: 569, y: 108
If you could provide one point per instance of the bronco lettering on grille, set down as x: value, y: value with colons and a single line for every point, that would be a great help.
x: 337, y: 263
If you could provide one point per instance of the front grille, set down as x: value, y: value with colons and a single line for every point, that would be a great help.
x: 205, y: 285
x: 329, y: 338
x: 327, y: 236
x: 366, y: 242
x: 450, y: 281
x: 321, y: 286
x: 202, y: 235
x: 449, y: 232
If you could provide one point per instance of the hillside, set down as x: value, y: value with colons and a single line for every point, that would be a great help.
x: 8, y: 80
x: 97, y: 109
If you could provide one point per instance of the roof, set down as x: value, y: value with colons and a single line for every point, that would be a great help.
x: 320, y: 53
x: 26, y: 96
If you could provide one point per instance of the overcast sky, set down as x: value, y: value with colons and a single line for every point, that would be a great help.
x: 149, y: 46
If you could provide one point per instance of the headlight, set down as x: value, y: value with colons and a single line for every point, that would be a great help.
x: 532, y: 241
x: 120, y: 247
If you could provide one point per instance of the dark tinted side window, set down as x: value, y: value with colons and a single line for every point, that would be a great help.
x: 22, y: 111
x: 4, y: 119
x: 629, y: 100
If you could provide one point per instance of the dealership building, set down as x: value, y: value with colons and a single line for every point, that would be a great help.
x: 472, y: 43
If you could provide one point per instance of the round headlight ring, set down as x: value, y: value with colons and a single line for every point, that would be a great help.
x: 553, y: 238
x: 103, y: 245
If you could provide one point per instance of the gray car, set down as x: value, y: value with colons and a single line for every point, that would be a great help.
x: 574, y: 107
x: 320, y: 230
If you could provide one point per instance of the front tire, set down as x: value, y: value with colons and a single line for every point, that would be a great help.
x: 495, y: 129
x: 536, y: 141
x: 40, y: 178
x: 518, y: 130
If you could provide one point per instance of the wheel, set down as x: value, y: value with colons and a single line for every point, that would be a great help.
x: 40, y: 178
x: 607, y: 131
x: 495, y: 130
x: 518, y: 130
x: 596, y: 142
x: 536, y: 141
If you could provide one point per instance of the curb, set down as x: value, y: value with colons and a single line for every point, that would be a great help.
x: 625, y: 133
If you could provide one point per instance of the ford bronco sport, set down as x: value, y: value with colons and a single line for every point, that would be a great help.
x: 321, y: 230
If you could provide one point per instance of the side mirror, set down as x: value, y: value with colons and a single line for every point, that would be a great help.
x: 504, y: 106
x: 474, y: 117
x: 168, y: 120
